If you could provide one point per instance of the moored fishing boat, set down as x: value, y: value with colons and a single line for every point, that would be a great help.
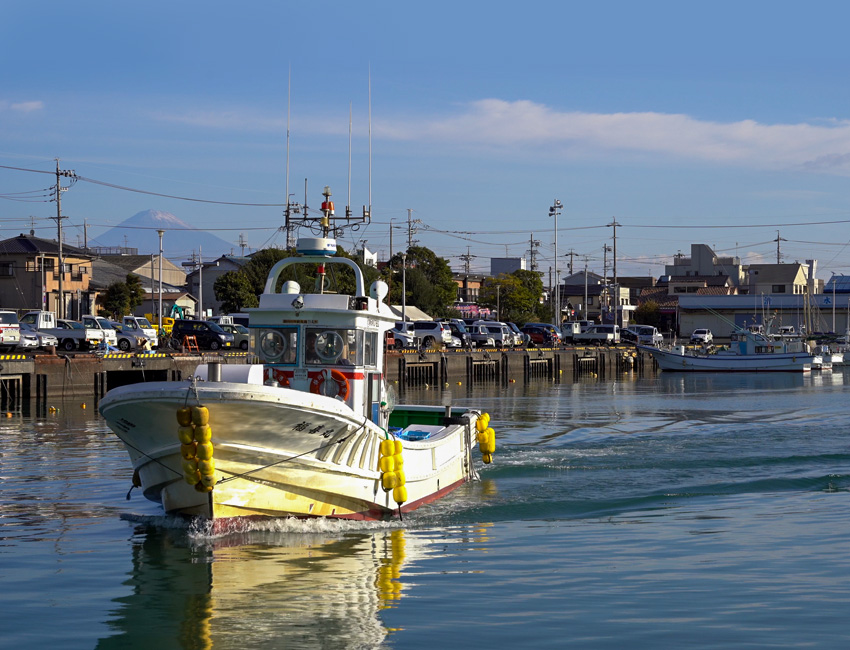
x: 748, y: 352
x: 311, y: 430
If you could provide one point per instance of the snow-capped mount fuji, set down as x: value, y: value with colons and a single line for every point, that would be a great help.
x: 179, y: 240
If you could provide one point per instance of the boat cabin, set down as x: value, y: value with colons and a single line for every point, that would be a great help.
x: 325, y: 343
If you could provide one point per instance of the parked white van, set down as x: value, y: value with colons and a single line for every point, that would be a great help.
x: 599, y: 335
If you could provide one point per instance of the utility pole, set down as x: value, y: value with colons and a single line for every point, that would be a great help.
x: 571, y: 254
x: 466, y: 260
x: 615, y: 224
x: 778, y: 239
x: 58, y: 218
x: 533, y: 245
x: 411, y: 230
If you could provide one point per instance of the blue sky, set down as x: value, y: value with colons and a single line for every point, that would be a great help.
x: 726, y: 124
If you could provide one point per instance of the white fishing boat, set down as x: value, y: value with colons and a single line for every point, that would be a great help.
x: 748, y: 352
x: 831, y: 356
x: 312, y: 430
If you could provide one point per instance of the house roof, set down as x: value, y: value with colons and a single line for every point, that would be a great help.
x: 32, y: 245
x: 411, y: 312
x: 778, y: 273
x: 104, y: 273
x: 134, y: 262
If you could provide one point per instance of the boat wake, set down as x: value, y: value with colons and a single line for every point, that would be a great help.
x: 200, y: 529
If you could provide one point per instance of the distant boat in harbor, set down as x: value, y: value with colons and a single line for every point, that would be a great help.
x: 748, y: 352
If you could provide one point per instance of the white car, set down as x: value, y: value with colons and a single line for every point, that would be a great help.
x: 402, y: 340
x: 702, y: 336
x: 29, y: 341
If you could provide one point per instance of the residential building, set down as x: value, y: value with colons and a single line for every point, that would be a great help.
x: 30, y: 276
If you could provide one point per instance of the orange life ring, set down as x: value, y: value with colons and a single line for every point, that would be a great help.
x: 278, y: 375
x: 338, y: 377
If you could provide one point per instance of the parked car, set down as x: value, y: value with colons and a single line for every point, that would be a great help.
x: 10, y: 330
x: 28, y: 341
x: 481, y: 338
x: 130, y: 338
x: 458, y: 330
x: 642, y: 335
x: 538, y: 335
x: 502, y: 335
x: 403, y: 338
x: 520, y: 339
x: 208, y: 335
x: 553, y: 331
x: 569, y: 330
x: 701, y: 336
x: 432, y: 332
x: 110, y: 334
x: 241, y: 335
x: 599, y: 335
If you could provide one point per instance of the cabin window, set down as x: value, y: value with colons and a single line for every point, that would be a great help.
x: 370, y: 350
x: 278, y: 345
x: 778, y: 288
x: 333, y: 347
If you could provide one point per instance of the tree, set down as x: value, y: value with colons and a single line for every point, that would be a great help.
x: 430, y: 284
x: 136, y: 292
x: 648, y: 313
x: 516, y: 296
x: 234, y: 291
x: 115, y: 301
x: 242, y: 288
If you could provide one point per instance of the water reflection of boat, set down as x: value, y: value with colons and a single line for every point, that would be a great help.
x: 258, y: 589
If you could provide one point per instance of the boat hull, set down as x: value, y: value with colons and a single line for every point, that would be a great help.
x: 279, y: 452
x: 720, y: 362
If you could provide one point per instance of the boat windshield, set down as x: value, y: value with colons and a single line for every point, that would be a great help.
x: 278, y: 345
x: 335, y: 347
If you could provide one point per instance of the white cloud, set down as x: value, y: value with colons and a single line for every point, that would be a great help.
x: 23, y: 107
x: 528, y: 128
x: 525, y: 124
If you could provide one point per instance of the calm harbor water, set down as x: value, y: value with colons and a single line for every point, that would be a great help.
x: 663, y: 511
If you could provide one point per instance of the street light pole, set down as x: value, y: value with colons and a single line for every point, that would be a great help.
x: 554, y: 211
x: 159, y: 329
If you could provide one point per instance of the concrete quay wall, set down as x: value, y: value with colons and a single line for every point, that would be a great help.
x: 43, y: 376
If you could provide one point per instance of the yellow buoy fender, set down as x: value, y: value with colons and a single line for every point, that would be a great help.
x: 487, y: 458
x: 208, y: 480
x: 205, y: 450
x: 190, y: 466
x: 193, y: 478
x: 400, y: 477
x: 203, y: 433
x: 200, y: 415
x: 184, y: 416
x: 387, y: 463
x: 206, y: 466
x: 389, y: 480
x: 188, y: 450
x: 186, y: 434
x: 387, y: 447
x: 398, y: 447
x: 400, y: 494
x: 399, y: 461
